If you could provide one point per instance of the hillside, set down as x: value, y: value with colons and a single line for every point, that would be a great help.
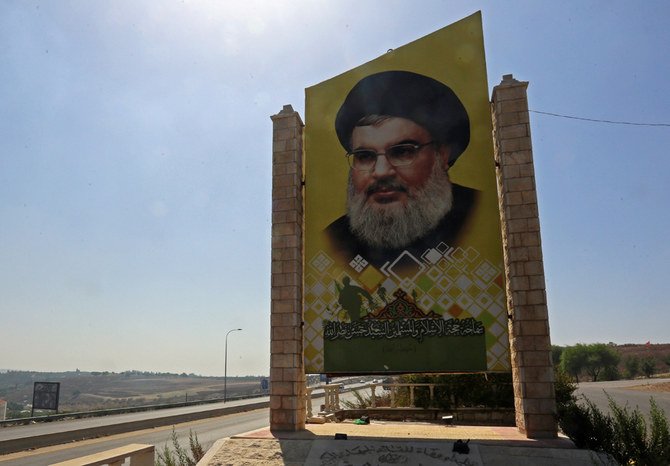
x: 86, y: 391
x: 655, y: 350
x: 660, y: 352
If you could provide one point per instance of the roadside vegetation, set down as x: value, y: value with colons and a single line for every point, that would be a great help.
x: 625, y: 435
x: 364, y: 400
x: 451, y: 391
x: 581, y: 362
x: 597, y: 359
x: 176, y: 455
x: 607, y: 361
x: 461, y: 390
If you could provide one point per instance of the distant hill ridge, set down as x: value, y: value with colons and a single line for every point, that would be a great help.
x: 87, y: 391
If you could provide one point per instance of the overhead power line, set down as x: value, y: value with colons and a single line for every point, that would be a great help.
x: 611, y: 122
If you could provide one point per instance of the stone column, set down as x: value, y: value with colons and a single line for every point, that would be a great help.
x: 530, y: 346
x: 287, y: 372
x: 332, y: 397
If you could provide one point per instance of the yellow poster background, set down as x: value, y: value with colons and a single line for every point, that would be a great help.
x: 465, y: 283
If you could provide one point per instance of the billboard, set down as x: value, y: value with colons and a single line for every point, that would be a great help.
x: 45, y: 395
x: 403, y: 254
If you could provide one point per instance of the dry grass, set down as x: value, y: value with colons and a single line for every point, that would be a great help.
x: 84, y: 391
x: 649, y: 387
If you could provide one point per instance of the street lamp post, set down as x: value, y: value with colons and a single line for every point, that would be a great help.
x: 225, y: 365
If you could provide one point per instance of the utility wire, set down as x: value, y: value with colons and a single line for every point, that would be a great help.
x: 600, y: 121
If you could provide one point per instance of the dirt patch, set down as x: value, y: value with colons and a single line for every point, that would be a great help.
x: 261, y: 452
x: 656, y: 387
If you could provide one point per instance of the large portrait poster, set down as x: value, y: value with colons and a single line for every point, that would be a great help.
x: 403, y: 254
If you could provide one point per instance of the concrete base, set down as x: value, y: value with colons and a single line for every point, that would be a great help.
x: 366, y: 452
x: 497, y: 446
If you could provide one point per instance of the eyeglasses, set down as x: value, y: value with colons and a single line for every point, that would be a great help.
x: 399, y: 155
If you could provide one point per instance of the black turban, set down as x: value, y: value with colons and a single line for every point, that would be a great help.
x: 404, y: 94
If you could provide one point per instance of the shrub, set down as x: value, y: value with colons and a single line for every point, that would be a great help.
x: 632, y: 365
x: 629, y: 435
x: 610, y: 373
x: 363, y: 401
x: 180, y: 457
x: 462, y: 390
x: 586, y: 426
x: 660, y: 432
x: 648, y: 366
x: 564, y: 388
x: 624, y: 435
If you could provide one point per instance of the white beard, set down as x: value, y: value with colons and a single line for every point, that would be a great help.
x: 396, y: 225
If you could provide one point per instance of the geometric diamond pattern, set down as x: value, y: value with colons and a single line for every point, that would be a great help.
x: 483, y: 300
x: 426, y: 302
x: 432, y: 256
x: 464, y: 301
x: 321, y: 262
x: 446, y: 280
x: 486, y: 271
x: 358, y: 263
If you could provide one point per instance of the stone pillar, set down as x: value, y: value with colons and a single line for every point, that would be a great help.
x: 308, y: 402
x: 530, y: 346
x: 331, y: 394
x: 287, y: 371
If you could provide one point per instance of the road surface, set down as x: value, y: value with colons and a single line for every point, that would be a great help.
x: 208, y: 431
x: 621, y: 392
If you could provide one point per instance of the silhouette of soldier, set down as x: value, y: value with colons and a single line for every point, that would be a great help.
x: 350, y: 298
x: 382, y: 294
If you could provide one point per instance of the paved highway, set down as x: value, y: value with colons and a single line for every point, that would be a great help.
x: 211, y: 429
x: 620, y: 391
x: 208, y: 431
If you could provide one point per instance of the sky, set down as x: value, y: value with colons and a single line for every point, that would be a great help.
x: 135, y: 166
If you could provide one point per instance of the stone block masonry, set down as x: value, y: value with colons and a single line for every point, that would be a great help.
x: 288, y: 410
x: 530, y: 345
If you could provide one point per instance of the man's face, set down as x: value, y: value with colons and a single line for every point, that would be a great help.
x: 386, y: 186
x: 389, y: 207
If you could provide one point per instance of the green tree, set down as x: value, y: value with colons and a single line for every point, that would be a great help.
x: 594, y: 359
x: 648, y: 366
x: 610, y: 373
x: 600, y: 358
x: 556, y: 352
x: 632, y: 365
x: 573, y: 359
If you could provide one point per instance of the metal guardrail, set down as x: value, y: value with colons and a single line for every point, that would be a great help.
x: 28, y: 439
x: 121, y: 426
x: 111, y: 411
